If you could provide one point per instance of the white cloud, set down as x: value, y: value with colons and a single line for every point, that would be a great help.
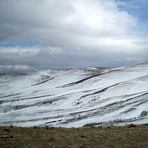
x: 73, y: 33
x: 58, y: 19
x: 18, y: 51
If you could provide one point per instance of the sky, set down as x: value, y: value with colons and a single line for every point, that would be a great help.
x: 40, y: 34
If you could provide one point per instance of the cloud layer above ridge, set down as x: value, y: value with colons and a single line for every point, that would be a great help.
x: 70, y: 33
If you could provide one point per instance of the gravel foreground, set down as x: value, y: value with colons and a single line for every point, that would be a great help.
x: 129, y: 136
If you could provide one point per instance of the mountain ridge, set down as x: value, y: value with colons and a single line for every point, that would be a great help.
x: 75, y: 97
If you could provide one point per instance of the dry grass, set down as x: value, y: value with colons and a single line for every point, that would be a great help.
x: 129, y: 136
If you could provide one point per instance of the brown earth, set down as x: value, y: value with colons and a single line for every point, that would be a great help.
x: 130, y: 136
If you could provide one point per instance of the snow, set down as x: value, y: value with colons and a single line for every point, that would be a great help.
x: 75, y: 97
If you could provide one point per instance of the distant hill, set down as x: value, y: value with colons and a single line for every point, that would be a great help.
x: 75, y: 97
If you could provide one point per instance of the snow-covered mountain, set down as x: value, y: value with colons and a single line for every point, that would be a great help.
x: 75, y: 97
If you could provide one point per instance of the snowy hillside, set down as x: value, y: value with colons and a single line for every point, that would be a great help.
x: 75, y: 97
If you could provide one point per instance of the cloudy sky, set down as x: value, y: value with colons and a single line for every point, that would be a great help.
x: 42, y: 34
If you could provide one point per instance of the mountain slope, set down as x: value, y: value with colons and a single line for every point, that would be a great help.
x: 75, y: 97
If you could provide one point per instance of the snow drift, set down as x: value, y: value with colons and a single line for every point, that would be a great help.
x: 75, y: 97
